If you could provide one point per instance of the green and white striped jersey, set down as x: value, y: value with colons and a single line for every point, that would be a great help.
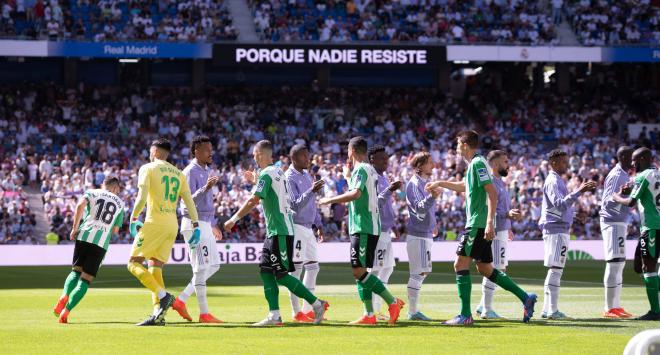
x: 647, y: 194
x: 273, y: 190
x: 363, y: 214
x: 104, y: 211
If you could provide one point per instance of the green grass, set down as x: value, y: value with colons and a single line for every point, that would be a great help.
x: 103, y: 322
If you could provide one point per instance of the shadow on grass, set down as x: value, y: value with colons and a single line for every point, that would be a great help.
x: 332, y: 324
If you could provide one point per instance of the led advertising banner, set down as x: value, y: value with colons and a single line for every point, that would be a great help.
x: 327, y: 54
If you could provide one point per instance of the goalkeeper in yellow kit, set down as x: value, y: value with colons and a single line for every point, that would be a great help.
x: 160, y: 186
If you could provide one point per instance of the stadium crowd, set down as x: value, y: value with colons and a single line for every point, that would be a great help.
x: 68, y: 140
x: 614, y: 22
x: 507, y: 21
x: 113, y: 20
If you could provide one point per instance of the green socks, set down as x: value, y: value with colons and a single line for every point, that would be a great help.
x: 652, y: 282
x: 271, y: 291
x: 366, y: 297
x: 373, y: 284
x: 464, y: 283
x: 77, y: 294
x: 505, y: 282
x: 70, y: 282
x: 297, y: 288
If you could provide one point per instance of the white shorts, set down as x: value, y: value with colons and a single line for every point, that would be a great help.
x: 614, y: 239
x: 556, y: 249
x: 419, y: 254
x: 384, y: 256
x: 206, y: 253
x: 499, y: 246
x: 305, y: 245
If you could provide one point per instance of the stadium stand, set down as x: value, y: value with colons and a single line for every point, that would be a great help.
x: 77, y: 136
x: 108, y: 20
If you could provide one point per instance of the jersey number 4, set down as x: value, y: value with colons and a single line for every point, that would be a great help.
x: 171, y: 181
x: 105, y: 211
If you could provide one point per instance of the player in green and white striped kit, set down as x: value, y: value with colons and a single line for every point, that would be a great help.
x: 364, y: 230
x: 646, y: 195
x: 277, y: 253
x: 102, y: 214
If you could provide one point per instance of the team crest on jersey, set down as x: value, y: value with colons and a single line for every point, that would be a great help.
x: 260, y: 185
x: 483, y: 174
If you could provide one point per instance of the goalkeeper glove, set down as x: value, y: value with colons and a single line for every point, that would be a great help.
x: 194, y: 239
x: 134, y: 226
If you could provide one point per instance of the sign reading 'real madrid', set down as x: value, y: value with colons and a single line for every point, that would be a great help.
x: 362, y: 55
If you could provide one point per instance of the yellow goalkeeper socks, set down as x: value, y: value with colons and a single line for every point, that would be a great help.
x: 147, y: 279
x: 157, y: 273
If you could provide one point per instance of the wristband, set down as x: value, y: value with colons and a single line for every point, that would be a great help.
x: 234, y: 219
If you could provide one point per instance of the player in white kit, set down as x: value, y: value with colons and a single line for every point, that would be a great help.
x: 499, y: 165
x: 204, y: 259
x: 614, y: 229
x: 384, y: 259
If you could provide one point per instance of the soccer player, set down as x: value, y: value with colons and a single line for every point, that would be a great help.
x: 556, y: 217
x: 422, y: 207
x: 160, y: 185
x: 646, y: 194
x: 102, y: 214
x: 306, y: 218
x: 277, y: 253
x: 475, y: 243
x: 364, y: 230
x: 384, y: 263
x: 614, y: 229
x: 499, y: 165
x: 204, y: 258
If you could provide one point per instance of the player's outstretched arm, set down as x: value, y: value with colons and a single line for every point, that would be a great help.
x: 244, y: 210
x: 623, y: 198
x: 458, y: 186
x: 492, y: 208
x: 416, y: 199
x: 562, y: 203
x: 141, y: 199
x: 347, y: 196
x: 140, y: 202
x: 77, y: 216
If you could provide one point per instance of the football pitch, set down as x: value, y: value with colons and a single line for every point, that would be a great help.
x: 104, y: 321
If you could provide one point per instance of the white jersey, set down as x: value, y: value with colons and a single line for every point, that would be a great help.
x: 104, y: 211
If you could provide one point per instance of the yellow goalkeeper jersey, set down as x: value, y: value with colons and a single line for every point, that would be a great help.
x: 163, y: 185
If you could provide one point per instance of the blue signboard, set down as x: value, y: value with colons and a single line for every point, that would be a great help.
x: 130, y: 50
x: 631, y: 54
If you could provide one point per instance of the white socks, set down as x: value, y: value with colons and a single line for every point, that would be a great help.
x: 487, y: 292
x: 551, y: 291
x: 384, y: 276
x: 613, y: 281
x: 295, y: 301
x: 198, y: 285
x: 161, y: 294
x: 274, y: 314
x: 200, y: 289
x: 414, y: 288
x: 311, y: 272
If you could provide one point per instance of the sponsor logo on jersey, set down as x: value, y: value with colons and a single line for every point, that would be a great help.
x: 260, y: 185
x: 483, y: 174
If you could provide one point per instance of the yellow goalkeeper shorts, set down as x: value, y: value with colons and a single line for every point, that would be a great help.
x: 154, y: 241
